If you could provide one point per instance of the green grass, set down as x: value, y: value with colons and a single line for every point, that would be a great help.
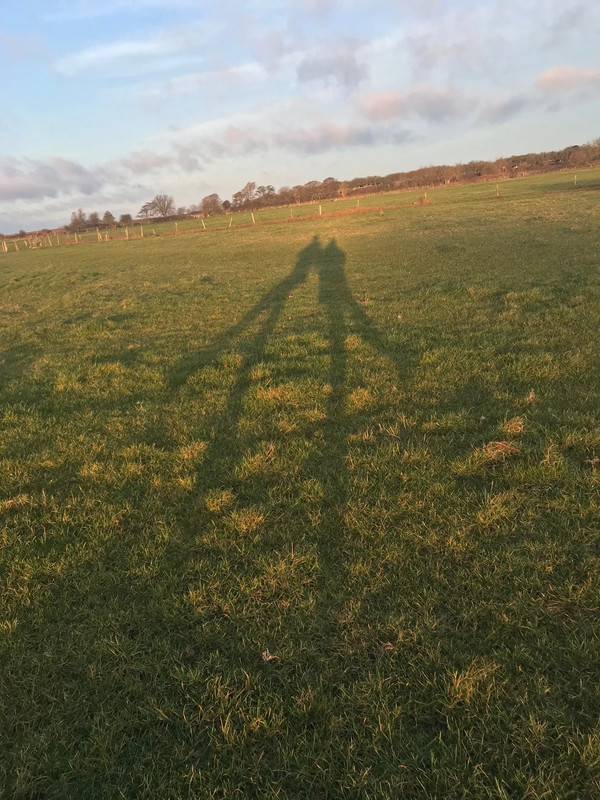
x: 256, y: 539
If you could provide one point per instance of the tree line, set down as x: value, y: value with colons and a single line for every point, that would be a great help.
x: 252, y: 197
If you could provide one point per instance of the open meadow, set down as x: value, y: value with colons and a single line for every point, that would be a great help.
x: 307, y: 510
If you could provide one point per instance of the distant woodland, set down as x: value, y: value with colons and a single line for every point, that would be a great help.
x: 254, y: 197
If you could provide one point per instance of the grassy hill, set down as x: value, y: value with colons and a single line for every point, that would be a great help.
x: 307, y: 510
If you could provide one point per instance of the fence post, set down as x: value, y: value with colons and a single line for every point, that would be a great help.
x: 253, y: 220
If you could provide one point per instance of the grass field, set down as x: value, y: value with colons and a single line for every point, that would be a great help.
x: 307, y: 511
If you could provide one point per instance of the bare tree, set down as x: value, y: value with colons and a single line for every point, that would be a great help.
x: 78, y: 220
x: 161, y: 205
x: 164, y: 205
x: 245, y: 196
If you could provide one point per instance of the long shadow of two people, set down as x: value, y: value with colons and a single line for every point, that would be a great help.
x: 327, y: 462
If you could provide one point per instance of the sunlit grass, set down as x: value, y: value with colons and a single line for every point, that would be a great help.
x: 288, y: 517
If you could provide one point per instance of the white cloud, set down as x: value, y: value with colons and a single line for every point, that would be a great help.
x: 341, y: 65
x: 217, y: 79
x: 566, y: 78
x: 90, y: 9
x: 108, y: 53
x: 37, y: 178
x: 433, y: 104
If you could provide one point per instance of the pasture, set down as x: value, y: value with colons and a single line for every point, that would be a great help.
x: 309, y: 510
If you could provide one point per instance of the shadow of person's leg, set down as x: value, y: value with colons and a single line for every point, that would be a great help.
x: 272, y: 300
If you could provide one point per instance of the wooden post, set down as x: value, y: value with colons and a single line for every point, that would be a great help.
x: 16, y: 246
x: 253, y: 220
x: 230, y: 221
x: 106, y: 237
x: 126, y: 232
x: 203, y: 225
x: 176, y: 227
x: 320, y: 210
x: 57, y: 240
x: 49, y: 241
x: 497, y: 191
x: 98, y: 235
x: 291, y: 214
x: 141, y: 231
x: 575, y: 180
x: 153, y: 232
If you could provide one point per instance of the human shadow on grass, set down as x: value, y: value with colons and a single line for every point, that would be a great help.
x: 139, y: 596
x: 327, y: 461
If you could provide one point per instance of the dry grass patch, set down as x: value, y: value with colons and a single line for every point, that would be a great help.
x: 513, y: 426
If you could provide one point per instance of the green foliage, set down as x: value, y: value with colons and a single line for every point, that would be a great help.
x: 287, y: 516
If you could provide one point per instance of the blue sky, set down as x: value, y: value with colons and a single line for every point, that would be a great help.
x: 106, y: 104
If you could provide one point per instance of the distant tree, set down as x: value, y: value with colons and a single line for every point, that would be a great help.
x: 298, y: 192
x: 22, y: 232
x: 181, y: 211
x: 94, y: 219
x: 78, y: 220
x: 164, y: 205
x: 148, y: 210
x: 330, y: 187
x: 125, y: 219
x: 211, y: 205
x: 226, y: 205
x: 264, y: 195
x: 245, y: 196
x: 312, y: 190
x: 161, y: 205
x: 108, y: 219
x: 285, y: 195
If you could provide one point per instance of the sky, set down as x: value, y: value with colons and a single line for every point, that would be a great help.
x: 105, y: 104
